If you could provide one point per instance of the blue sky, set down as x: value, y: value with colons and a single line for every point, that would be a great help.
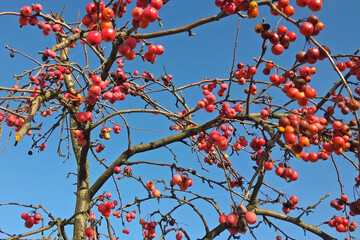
x: 42, y: 177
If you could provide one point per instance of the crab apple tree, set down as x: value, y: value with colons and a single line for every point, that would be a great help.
x: 123, y: 119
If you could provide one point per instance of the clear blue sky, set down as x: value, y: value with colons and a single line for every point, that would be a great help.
x: 42, y: 177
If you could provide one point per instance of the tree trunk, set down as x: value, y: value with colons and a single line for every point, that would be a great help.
x: 82, y: 193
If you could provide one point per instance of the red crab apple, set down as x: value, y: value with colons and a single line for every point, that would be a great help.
x: 156, y: 193
x: 176, y: 178
x: 250, y: 217
x: 37, y: 216
x: 179, y: 236
x: 81, y: 117
x: 88, y: 115
x: 26, y: 11
x: 156, y: 4
x: 89, y: 232
x: 117, y: 129
x: 150, y: 14
x: 302, y: 3
x: 232, y: 220
x: 37, y: 7
x: 108, y: 34
x: 222, y: 219
x: 24, y: 216
x: 159, y: 49
x: 137, y: 13
x: 23, y: 20
x: 117, y: 170
x: 277, y: 49
x: 315, y: 5
x: 124, y: 49
x: 306, y: 29
x: 94, y: 38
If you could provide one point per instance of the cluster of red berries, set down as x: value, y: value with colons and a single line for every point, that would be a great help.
x: 286, y: 172
x: 30, y: 220
x: 153, y: 50
x: 215, y: 138
x: 339, y: 203
x: 242, y: 74
x: 130, y: 216
x: 342, y: 224
x: 212, y: 158
x: 80, y: 137
x: 25, y: 14
x: 12, y: 121
x: 42, y: 146
x: 312, y: 55
x: 354, y: 66
x: 104, y: 133
x: 307, y: 130
x: 151, y: 187
x: 143, y: 14
x: 283, y: 6
x: 208, y: 142
x: 95, y: 90
x: 313, y: 5
x: 311, y: 27
x: 149, y: 227
x: 257, y: 143
x: 207, y: 102
x: 47, y: 27
x: 99, y: 148
x: 74, y: 99
x: 48, y: 53
x: 290, y: 204
x: 27, y: 18
x: 105, y: 207
x: 280, y: 39
x: 84, y: 116
x: 231, y: 6
x: 226, y: 111
x: 237, y: 222
x: 183, y: 181
x: 268, y: 165
x: 126, y: 49
x: 94, y: 37
x: 239, y: 144
x: 235, y: 183
x: 355, y: 207
x: 48, y: 77
x: 119, y: 7
x: 344, y: 103
x: 167, y: 79
x: 116, y: 93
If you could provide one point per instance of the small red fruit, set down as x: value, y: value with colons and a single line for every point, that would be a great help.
x: 94, y: 38
x: 89, y: 232
x: 179, y: 236
x: 150, y: 14
x: 315, y: 5
x: 250, y: 218
x: 277, y: 49
x: 108, y: 34
x: 306, y: 29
